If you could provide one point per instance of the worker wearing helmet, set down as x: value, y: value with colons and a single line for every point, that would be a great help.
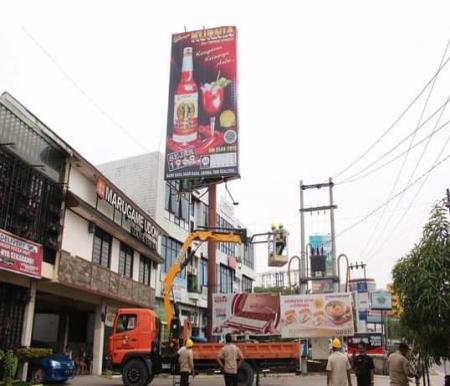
x: 338, y: 366
x: 186, y: 362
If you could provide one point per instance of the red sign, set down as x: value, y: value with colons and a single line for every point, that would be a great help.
x: 202, y: 122
x: 20, y: 255
x: 373, y: 342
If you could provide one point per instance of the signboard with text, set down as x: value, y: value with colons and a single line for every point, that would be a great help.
x: 373, y: 342
x: 291, y: 316
x: 381, y: 300
x: 19, y: 255
x: 202, y: 120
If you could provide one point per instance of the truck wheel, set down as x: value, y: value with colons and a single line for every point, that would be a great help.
x: 135, y: 373
x: 246, y: 374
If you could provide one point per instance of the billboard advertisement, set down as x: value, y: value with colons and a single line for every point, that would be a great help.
x: 19, y: 255
x: 321, y: 246
x: 202, y: 120
x: 255, y: 313
x: 313, y: 316
x: 291, y: 316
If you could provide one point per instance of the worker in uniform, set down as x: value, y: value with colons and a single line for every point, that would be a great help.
x: 338, y: 366
x: 230, y: 358
x: 186, y: 362
x: 399, y: 367
x: 363, y: 366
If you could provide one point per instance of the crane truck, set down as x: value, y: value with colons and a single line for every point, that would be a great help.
x: 135, y: 346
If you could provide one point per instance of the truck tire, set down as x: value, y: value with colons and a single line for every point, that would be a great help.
x: 246, y: 374
x: 135, y: 373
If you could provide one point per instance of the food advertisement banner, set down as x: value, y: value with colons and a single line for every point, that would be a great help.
x: 255, y: 314
x: 202, y: 122
x: 313, y: 316
x: 291, y: 316
x: 20, y: 255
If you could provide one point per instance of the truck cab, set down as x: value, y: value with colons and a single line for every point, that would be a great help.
x: 134, y: 345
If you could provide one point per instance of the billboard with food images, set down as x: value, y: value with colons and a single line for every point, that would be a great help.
x: 314, y: 316
x: 202, y: 120
x: 291, y: 316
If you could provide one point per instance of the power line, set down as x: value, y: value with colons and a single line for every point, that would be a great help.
x: 405, y: 158
x: 393, y: 197
x: 396, y: 146
x: 403, y: 113
x: 397, y: 156
x: 85, y: 94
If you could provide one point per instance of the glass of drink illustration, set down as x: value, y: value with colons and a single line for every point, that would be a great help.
x: 212, y: 101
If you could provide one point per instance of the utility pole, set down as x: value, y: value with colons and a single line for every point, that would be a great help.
x: 331, y: 207
x: 302, y: 274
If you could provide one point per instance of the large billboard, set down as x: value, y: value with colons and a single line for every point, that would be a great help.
x: 202, y: 120
x: 291, y: 316
x: 19, y: 255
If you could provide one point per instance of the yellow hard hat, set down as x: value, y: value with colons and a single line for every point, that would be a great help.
x: 189, y: 343
x: 336, y: 343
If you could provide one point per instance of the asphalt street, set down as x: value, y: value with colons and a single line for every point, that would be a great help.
x: 309, y: 380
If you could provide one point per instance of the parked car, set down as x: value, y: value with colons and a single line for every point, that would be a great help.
x: 54, y: 368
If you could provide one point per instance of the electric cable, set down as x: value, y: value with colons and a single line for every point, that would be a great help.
x: 396, y: 146
x: 400, y: 171
x: 371, y: 213
x: 402, y: 114
x: 85, y: 94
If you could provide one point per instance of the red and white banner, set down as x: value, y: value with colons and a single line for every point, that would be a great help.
x: 19, y: 255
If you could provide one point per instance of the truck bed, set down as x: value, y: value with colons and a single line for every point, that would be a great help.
x: 279, y: 350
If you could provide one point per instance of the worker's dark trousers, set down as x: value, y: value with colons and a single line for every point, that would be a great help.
x: 184, y: 378
x: 230, y: 379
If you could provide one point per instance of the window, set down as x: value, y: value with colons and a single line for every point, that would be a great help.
x: 169, y: 251
x: 101, y: 252
x: 144, y: 270
x: 203, y: 272
x: 225, y: 279
x: 228, y: 248
x: 126, y: 323
x: 247, y: 284
x: 248, y: 256
x: 279, y: 279
x: 177, y: 203
x: 126, y: 260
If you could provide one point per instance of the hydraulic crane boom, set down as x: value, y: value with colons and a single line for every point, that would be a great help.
x: 222, y: 236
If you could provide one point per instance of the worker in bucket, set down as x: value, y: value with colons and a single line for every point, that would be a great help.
x: 230, y: 358
x: 338, y: 366
x: 186, y: 362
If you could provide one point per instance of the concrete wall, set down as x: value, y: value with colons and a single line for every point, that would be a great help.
x: 76, y: 238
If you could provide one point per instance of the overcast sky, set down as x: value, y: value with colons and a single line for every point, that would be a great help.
x: 319, y: 82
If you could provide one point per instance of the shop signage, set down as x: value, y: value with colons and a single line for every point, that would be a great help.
x: 141, y: 227
x: 202, y: 123
x: 19, y: 255
x: 373, y: 341
x: 381, y: 300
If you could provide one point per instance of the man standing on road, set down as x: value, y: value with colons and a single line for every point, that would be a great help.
x: 338, y: 366
x: 363, y: 366
x: 186, y: 362
x: 230, y: 358
x: 399, y: 367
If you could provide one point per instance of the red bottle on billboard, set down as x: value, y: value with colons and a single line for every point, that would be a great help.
x: 185, y: 115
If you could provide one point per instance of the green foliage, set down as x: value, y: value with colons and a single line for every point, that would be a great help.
x: 2, y: 354
x: 26, y: 354
x: 422, y: 281
x: 9, y: 363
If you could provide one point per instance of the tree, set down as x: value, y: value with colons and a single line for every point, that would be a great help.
x: 422, y: 282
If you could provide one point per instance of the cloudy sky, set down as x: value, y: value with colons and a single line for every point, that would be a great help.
x: 320, y: 82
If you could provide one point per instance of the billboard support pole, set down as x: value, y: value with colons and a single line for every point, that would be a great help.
x: 212, y: 285
x: 333, y: 234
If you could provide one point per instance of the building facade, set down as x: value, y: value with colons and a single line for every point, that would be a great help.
x: 142, y: 178
x: 74, y: 247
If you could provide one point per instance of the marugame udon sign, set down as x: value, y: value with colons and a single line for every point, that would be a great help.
x: 202, y: 120
x: 291, y: 316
